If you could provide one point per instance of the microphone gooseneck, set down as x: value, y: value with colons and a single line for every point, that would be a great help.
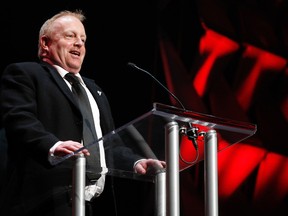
x: 163, y: 86
x: 190, y: 131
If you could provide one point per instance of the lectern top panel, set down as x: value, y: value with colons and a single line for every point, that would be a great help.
x: 145, y: 137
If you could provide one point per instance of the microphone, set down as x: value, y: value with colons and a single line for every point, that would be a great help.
x: 163, y: 86
x: 191, y: 131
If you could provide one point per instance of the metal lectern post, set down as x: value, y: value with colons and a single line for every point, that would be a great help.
x: 172, y: 168
x: 78, y: 187
x: 211, y: 173
x: 160, y: 193
x: 167, y: 184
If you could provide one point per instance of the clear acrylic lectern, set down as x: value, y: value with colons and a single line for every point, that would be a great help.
x: 180, y: 137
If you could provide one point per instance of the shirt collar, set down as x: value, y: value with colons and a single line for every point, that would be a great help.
x: 63, y: 72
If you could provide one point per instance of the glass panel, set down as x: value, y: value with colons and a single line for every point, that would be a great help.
x: 145, y: 137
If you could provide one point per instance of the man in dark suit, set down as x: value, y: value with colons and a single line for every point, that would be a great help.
x: 42, y: 121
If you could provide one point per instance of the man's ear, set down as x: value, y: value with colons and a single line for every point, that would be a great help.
x: 44, y: 42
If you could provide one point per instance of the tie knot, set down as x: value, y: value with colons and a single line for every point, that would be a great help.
x: 71, y: 78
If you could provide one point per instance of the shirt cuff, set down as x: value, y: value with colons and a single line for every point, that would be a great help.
x: 51, y: 156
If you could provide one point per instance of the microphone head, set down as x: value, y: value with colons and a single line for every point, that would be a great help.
x: 132, y: 65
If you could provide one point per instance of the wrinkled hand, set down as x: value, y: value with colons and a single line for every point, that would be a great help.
x: 148, y: 165
x: 68, y: 147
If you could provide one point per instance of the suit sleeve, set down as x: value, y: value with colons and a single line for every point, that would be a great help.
x: 19, y: 112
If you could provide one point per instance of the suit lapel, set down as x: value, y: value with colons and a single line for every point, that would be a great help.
x: 90, y: 84
x: 61, y: 83
x: 100, y: 100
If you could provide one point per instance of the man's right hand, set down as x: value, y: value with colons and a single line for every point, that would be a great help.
x: 68, y: 147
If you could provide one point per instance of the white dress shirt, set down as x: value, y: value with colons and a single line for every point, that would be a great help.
x: 97, y: 188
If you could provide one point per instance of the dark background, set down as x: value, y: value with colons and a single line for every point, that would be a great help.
x: 131, y: 31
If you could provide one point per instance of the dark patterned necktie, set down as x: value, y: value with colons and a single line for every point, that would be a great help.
x: 89, y: 133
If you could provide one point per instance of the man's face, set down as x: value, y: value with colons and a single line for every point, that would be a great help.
x: 66, y: 43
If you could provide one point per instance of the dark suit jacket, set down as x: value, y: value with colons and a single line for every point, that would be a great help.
x: 38, y: 110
